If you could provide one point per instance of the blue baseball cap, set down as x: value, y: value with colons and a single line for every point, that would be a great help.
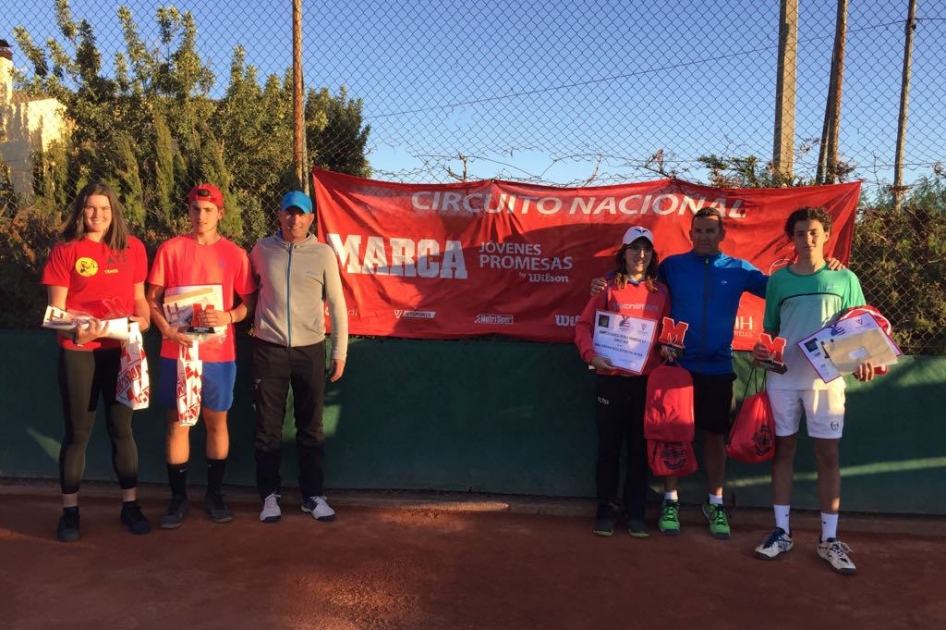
x: 296, y: 199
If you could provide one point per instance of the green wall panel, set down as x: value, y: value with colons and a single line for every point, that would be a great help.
x: 485, y: 416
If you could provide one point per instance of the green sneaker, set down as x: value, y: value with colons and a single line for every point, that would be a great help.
x: 718, y: 521
x: 669, y: 522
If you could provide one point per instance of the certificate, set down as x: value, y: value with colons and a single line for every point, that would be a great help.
x: 624, y: 339
x: 179, y: 303
x: 839, y: 349
x: 58, y: 319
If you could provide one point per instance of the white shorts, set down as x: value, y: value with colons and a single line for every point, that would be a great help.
x: 824, y: 411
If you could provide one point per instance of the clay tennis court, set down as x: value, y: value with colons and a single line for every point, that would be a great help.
x: 403, y: 561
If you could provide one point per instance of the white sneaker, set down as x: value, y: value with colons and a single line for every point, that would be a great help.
x: 775, y: 545
x: 834, y: 552
x: 271, y: 512
x: 319, y: 508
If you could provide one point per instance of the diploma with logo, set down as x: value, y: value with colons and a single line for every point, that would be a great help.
x: 624, y: 339
x: 181, y: 303
x: 58, y: 319
x: 839, y: 349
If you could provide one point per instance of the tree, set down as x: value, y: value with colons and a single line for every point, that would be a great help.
x: 900, y: 258
x: 335, y: 132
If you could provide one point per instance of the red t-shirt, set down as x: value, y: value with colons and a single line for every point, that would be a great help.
x: 100, y: 282
x: 181, y: 262
x: 635, y: 300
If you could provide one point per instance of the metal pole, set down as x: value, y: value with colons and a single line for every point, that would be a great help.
x: 828, y: 158
x: 783, y: 149
x: 898, y: 187
x: 298, y: 109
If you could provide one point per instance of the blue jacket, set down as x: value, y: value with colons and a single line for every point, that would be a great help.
x: 705, y: 293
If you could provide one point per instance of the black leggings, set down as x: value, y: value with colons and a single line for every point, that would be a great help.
x: 619, y: 412
x: 83, y: 377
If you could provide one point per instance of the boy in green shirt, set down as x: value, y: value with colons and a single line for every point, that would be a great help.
x: 801, y: 299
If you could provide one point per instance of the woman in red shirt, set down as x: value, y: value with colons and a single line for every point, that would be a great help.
x: 619, y: 409
x: 97, y: 270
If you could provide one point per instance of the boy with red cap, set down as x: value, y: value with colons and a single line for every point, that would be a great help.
x: 202, y: 261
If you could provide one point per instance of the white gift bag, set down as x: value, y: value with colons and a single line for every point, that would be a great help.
x: 133, y: 388
x: 189, y: 371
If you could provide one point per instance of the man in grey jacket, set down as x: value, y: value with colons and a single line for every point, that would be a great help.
x: 295, y: 274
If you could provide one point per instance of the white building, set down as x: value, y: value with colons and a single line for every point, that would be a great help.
x: 27, y: 124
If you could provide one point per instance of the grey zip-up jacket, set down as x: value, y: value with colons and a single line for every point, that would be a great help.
x: 295, y: 280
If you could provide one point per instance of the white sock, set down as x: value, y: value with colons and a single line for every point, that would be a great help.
x: 781, y: 517
x: 715, y: 500
x: 671, y: 496
x: 829, y: 526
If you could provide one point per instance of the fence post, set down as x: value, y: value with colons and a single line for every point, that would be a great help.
x: 898, y: 187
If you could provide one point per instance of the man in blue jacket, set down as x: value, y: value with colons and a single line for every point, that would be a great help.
x: 705, y: 288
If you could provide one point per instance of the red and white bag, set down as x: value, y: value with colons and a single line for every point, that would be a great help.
x: 189, y: 371
x: 133, y: 387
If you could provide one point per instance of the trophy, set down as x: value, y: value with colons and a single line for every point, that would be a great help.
x: 672, y: 335
x: 194, y: 328
x: 775, y: 347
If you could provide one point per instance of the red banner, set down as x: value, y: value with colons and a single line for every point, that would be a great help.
x: 458, y: 260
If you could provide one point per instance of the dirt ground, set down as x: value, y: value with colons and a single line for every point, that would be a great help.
x: 446, y: 565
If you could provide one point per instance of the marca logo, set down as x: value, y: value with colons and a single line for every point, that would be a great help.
x: 566, y: 321
x: 414, y: 314
x: 489, y: 318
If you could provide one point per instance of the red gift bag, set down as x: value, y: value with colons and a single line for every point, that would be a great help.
x: 752, y: 439
x: 671, y: 459
x: 668, y: 414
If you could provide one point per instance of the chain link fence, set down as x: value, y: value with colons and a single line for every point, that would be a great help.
x: 159, y: 97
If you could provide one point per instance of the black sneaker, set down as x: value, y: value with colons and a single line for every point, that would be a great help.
x: 134, y: 520
x: 175, y: 514
x: 605, y: 519
x: 68, y: 528
x: 217, y: 509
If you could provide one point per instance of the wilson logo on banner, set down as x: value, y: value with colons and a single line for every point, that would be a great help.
x: 457, y: 260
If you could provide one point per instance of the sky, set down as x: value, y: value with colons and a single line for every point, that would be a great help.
x: 568, y: 92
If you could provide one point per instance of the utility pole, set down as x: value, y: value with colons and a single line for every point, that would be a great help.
x: 298, y: 109
x: 898, y: 187
x: 783, y: 147
x: 828, y: 157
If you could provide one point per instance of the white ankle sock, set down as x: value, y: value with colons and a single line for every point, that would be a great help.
x: 829, y: 526
x: 781, y: 517
x: 715, y: 500
x: 670, y: 496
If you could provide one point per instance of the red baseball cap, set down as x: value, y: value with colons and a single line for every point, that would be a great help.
x: 206, y: 192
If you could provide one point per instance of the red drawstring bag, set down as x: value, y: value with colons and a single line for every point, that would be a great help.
x: 752, y: 438
x: 671, y: 459
x: 668, y: 414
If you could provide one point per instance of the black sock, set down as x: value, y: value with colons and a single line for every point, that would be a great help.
x: 215, y: 470
x: 71, y: 510
x: 177, y: 479
x: 127, y: 505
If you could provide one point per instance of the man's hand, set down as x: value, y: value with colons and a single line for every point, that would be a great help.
x: 336, y: 368
x: 598, y: 285
x: 761, y: 353
x: 864, y: 372
x: 602, y: 363
x: 834, y: 264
